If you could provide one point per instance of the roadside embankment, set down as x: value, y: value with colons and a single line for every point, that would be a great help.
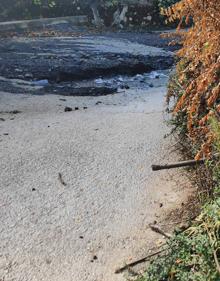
x: 193, y: 253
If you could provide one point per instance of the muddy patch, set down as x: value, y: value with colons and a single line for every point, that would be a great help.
x: 73, y: 66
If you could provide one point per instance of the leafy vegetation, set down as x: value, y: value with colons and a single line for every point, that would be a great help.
x: 166, y: 3
x: 195, y: 253
x: 198, y: 71
x: 98, y: 10
x: 192, y: 255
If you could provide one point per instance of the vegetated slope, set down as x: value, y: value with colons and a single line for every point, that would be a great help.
x: 197, y: 86
x: 194, y: 254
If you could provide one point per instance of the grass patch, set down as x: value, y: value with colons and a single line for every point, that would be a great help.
x: 192, y: 254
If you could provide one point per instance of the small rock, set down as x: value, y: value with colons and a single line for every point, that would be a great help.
x: 98, y: 102
x: 68, y: 109
x: 125, y: 87
x: 139, y: 77
x: 154, y: 75
x: 28, y: 75
x: 161, y: 205
x: 99, y: 81
x: 81, y: 237
x: 62, y: 99
x: 48, y: 261
x: 41, y: 83
x: 76, y: 108
x: 151, y: 85
x: 2, y: 119
x: 33, y: 189
x: 94, y: 258
x: 5, y: 134
x: 15, y: 112
x: 85, y: 107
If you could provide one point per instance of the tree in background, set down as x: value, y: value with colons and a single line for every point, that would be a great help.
x: 93, y: 5
x: 110, y: 12
x: 166, y: 3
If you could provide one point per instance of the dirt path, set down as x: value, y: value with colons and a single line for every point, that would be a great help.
x: 98, y: 221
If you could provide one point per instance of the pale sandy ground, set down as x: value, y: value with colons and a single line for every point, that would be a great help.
x: 104, y: 154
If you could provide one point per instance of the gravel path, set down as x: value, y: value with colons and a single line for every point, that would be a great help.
x: 84, y: 230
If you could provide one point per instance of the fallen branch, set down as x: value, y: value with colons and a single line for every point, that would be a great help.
x: 121, y: 269
x: 188, y: 163
x: 156, y: 229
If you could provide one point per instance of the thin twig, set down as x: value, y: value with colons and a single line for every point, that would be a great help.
x: 60, y: 177
x: 121, y: 269
x: 214, y: 251
x: 216, y: 261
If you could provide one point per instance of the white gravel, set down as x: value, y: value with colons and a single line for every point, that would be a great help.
x: 51, y: 232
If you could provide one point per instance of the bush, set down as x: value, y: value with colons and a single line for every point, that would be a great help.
x: 166, y: 3
x: 192, y: 255
x: 198, y: 70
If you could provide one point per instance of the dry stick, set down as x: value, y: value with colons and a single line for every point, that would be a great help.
x: 216, y: 261
x: 183, y: 163
x: 61, y: 179
x: 178, y: 164
x: 156, y: 229
x: 121, y: 269
x: 214, y: 251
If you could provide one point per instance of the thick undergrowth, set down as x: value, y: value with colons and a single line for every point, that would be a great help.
x: 194, y: 254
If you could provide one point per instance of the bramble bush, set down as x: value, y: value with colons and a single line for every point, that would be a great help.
x: 197, y: 90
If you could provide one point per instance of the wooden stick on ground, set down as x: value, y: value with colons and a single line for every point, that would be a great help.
x: 188, y: 163
x: 121, y: 269
x: 60, y: 178
x: 156, y: 229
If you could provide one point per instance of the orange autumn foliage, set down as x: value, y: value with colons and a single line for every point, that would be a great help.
x: 198, y: 70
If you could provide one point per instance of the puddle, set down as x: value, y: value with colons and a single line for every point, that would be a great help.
x: 90, y: 87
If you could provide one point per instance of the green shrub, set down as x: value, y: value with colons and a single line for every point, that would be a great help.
x: 193, y: 254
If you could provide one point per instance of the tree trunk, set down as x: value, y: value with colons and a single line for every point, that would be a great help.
x: 120, y: 17
x: 97, y: 19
